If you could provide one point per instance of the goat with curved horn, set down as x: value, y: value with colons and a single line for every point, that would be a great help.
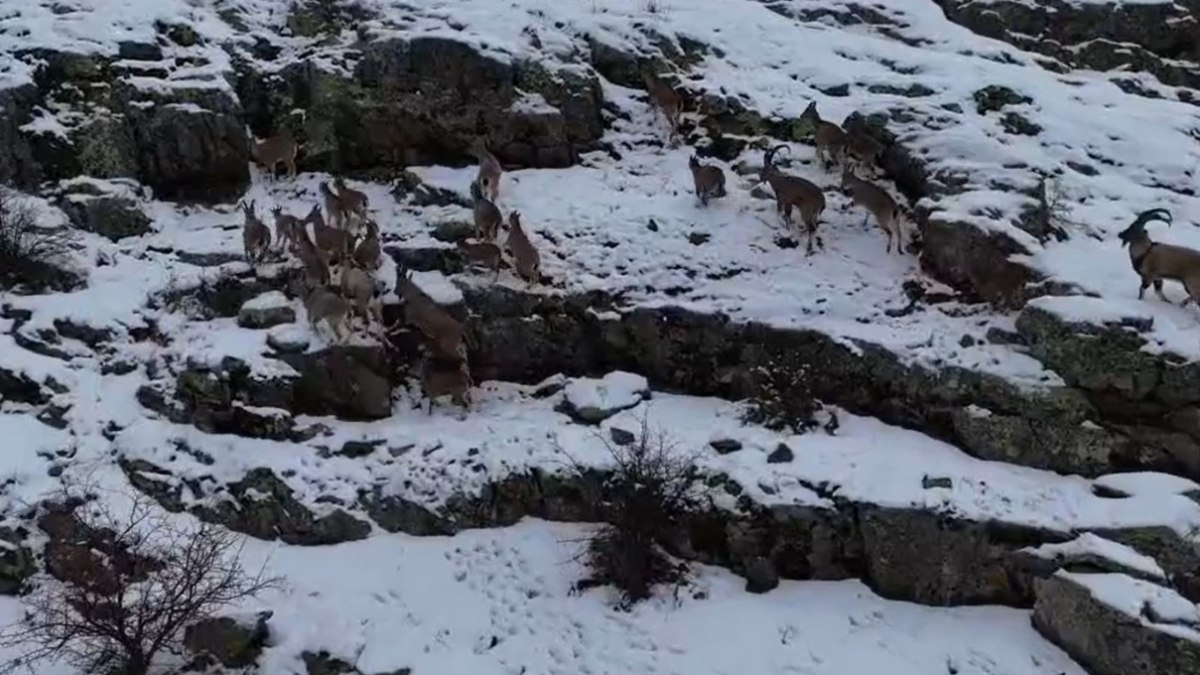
x: 793, y: 192
x: 1155, y: 262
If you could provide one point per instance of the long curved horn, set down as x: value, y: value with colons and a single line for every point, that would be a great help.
x: 769, y: 159
x: 1152, y: 215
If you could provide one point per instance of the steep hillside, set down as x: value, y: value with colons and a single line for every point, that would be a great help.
x: 989, y: 417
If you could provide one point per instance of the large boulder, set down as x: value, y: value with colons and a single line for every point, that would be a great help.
x: 191, y: 144
x: 592, y: 401
x: 231, y: 642
x: 1113, y: 624
x: 1130, y: 372
x: 350, y: 381
x: 423, y: 100
x: 266, y: 310
x: 108, y: 209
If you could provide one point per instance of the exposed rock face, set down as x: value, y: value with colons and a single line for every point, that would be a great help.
x: 1153, y: 398
x: 981, y: 264
x: 185, y: 143
x: 423, y: 101
x: 260, y: 505
x: 111, y: 216
x: 352, y: 382
x: 1160, y: 38
x: 228, y: 641
x: 527, y: 338
x: 16, y: 562
x: 1108, y: 641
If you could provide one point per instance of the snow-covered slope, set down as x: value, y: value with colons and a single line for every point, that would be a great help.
x: 112, y: 384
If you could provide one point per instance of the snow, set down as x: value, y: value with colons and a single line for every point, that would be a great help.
x: 1147, y: 482
x: 615, y: 391
x: 437, y: 287
x: 500, y: 603
x: 1152, y: 605
x: 1090, y: 544
x: 591, y: 226
x: 268, y: 300
x: 509, y: 433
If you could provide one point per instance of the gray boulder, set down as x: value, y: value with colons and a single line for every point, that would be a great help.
x: 350, y: 381
x: 1116, y: 625
x: 112, y: 216
x: 233, y: 643
x: 265, y: 311
x: 589, y: 401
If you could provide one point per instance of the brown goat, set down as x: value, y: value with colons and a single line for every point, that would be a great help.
x: 440, y: 377
x: 483, y: 253
x: 487, y: 216
x: 525, y: 255
x: 793, y: 191
x: 256, y: 237
x: 708, y: 180
x: 352, y: 201
x: 445, y: 335
x: 367, y: 253
x: 286, y: 228
x: 878, y: 203
x: 316, y: 263
x: 1155, y: 262
x: 862, y: 149
x: 490, y: 171
x: 275, y: 150
x: 828, y: 137
x: 665, y: 99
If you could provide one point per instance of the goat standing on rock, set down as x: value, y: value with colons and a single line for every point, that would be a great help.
x: 1155, y: 262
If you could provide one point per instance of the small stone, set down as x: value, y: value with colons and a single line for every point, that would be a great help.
x: 288, y: 339
x: 781, y: 454
x: 356, y: 449
x: 621, y: 436
x: 929, y: 482
x: 725, y: 446
x: 698, y: 238
x: 55, y: 470
x: 652, y: 226
x: 266, y: 310
x: 966, y: 341
x: 761, y: 576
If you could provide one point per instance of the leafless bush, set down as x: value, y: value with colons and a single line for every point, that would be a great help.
x: 646, y: 498
x: 784, y: 399
x: 120, y: 589
x: 28, y: 252
x: 1050, y: 215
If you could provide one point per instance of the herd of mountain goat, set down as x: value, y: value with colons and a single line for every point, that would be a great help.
x: 345, y: 238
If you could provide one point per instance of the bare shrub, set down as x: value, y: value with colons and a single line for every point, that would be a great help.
x: 29, y: 253
x: 784, y: 399
x: 120, y: 589
x: 646, y: 499
x: 1050, y: 215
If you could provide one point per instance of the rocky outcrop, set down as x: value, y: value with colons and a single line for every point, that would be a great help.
x: 265, y: 311
x: 1160, y: 38
x: 1115, y: 625
x: 186, y: 143
x: 526, y: 337
x: 350, y: 381
x: 1145, y: 392
x: 424, y: 100
x: 228, y: 641
x: 887, y: 547
x: 260, y: 505
x: 16, y: 561
x: 113, y: 214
